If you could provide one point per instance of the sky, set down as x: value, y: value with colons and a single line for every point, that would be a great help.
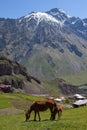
x: 19, y: 8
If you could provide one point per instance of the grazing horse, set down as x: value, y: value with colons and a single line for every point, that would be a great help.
x: 41, y: 106
x: 58, y: 109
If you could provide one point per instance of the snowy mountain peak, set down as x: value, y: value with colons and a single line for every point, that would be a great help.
x: 41, y: 16
x: 59, y: 14
x: 62, y: 11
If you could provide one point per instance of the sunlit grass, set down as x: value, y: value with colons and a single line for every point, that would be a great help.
x: 6, y: 99
x: 76, y: 79
x: 72, y: 119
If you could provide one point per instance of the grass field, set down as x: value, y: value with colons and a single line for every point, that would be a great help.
x: 77, y: 79
x: 72, y: 119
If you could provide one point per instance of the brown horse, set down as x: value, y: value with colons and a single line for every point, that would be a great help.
x: 57, y: 109
x: 41, y: 106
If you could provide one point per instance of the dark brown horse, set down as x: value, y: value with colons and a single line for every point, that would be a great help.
x: 57, y: 109
x: 41, y: 106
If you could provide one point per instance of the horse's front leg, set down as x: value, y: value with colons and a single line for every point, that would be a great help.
x: 59, y: 114
x: 39, y: 116
x: 35, y: 116
x: 51, y: 114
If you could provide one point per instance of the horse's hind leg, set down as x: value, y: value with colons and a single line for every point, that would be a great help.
x: 39, y: 116
x: 34, y: 116
x: 59, y: 114
x: 52, y: 117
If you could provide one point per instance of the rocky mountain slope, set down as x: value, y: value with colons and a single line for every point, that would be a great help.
x: 49, y: 43
x: 14, y: 74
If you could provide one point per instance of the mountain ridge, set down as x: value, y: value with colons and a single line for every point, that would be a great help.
x: 48, y: 44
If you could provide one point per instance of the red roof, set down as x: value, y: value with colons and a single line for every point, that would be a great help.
x: 4, y: 86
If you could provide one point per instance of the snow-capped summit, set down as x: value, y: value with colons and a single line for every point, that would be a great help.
x: 41, y: 16
x: 56, y: 17
x: 59, y: 14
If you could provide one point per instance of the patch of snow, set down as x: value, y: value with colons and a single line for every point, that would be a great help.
x: 40, y: 16
x: 84, y: 24
x: 75, y: 21
x: 62, y: 11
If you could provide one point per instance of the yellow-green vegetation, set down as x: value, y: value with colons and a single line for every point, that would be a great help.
x: 52, y: 86
x: 4, y: 102
x: 78, y: 79
x: 6, y: 99
x: 72, y: 119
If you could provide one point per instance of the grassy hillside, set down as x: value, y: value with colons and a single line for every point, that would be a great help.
x: 7, y: 99
x: 16, y: 75
x: 72, y: 119
x: 78, y: 79
x: 49, y: 63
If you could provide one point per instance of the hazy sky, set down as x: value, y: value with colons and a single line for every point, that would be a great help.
x: 19, y: 8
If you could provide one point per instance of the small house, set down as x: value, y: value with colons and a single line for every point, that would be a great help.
x: 80, y: 103
x: 5, y: 88
x: 78, y: 97
x: 58, y: 100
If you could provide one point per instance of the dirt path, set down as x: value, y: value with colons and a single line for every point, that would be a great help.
x: 7, y: 111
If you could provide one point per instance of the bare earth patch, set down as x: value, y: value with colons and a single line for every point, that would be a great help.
x: 21, y: 105
x: 7, y: 111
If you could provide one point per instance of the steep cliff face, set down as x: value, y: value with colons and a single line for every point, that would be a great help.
x: 14, y: 74
x: 8, y: 67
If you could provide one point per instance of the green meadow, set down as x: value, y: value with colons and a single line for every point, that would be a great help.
x: 72, y: 119
x: 76, y: 79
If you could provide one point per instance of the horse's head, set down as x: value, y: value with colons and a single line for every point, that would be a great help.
x: 27, y: 115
